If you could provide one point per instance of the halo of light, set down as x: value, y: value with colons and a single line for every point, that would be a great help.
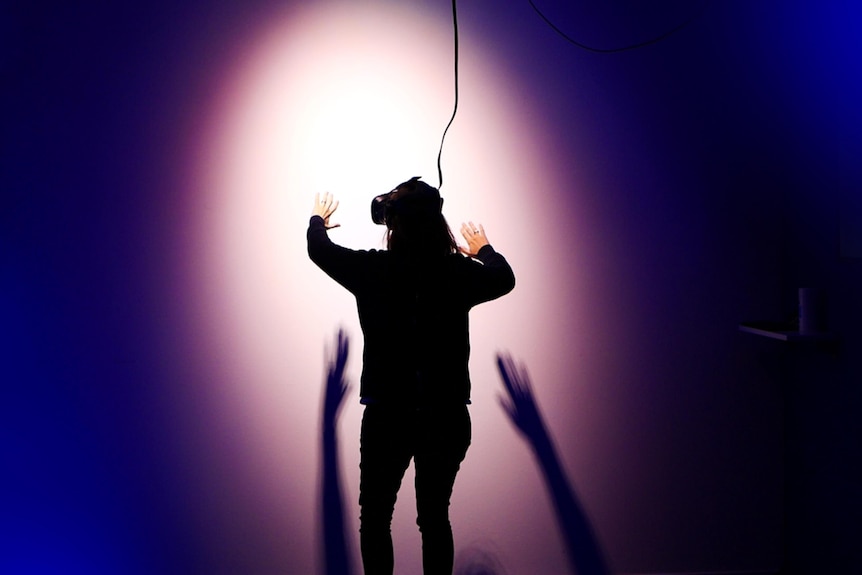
x: 353, y: 100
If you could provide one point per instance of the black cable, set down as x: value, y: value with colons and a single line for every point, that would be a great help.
x: 455, y: 109
x: 625, y: 48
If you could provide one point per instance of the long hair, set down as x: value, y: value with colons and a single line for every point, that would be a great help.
x: 415, y: 223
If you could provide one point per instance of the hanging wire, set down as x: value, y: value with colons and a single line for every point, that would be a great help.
x: 566, y: 37
x: 455, y: 109
x: 624, y: 48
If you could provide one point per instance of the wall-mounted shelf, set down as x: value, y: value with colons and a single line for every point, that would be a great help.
x: 783, y: 331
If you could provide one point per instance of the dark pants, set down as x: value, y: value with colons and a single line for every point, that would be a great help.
x: 436, y: 439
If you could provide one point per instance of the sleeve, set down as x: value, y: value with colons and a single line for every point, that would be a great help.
x: 490, y: 279
x: 341, y: 264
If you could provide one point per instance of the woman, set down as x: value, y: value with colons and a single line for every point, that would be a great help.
x: 413, y: 301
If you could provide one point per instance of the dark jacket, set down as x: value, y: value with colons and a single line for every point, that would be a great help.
x: 414, y: 316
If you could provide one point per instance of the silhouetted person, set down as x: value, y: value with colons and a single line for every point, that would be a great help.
x: 585, y: 555
x: 336, y: 556
x: 413, y: 301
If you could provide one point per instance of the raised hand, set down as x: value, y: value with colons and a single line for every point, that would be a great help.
x: 585, y: 553
x: 475, y: 236
x: 520, y: 405
x: 325, y: 207
x: 336, y: 385
x: 336, y: 555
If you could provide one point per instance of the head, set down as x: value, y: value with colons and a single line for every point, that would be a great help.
x: 413, y: 216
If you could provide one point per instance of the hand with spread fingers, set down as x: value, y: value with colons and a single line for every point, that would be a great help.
x: 336, y: 384
x: 519, y: 404
x: 584, y: 550
x: 325, y: 207
x: 476, y: 238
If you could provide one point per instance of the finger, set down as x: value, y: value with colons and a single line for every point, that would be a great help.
x: 521, y: 386
x: 501, y: 362
x: 343, y: 347
x: 500, y: 366
x: 482, y: 230
x: 525, y: 378
x: 518, y: 388
x: 333, y: 207
x: 505, y: 372
x: 508, y: 407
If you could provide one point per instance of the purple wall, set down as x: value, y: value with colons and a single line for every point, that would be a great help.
x: 709, y: 172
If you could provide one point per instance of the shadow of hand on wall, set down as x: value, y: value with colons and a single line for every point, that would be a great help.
x: 337, y: 558
x: 584, y: 552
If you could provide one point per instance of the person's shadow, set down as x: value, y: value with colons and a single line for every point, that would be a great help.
x: 337, y: 558
x: 584, y: 552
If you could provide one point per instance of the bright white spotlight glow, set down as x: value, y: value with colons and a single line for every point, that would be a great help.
x: 352, y: 98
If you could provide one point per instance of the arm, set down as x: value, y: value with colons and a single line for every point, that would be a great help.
x: 339, y: 263
x: 496, y: 275
x: 494, y: 278
x: 336, y: 553
x: 585, y: 554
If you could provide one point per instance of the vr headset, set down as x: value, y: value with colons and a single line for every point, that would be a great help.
x: 412, y: 198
